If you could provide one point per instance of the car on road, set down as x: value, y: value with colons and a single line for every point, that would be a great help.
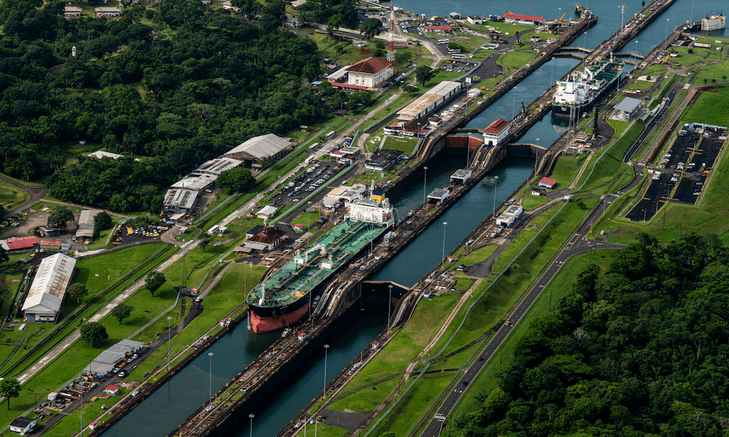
x: 122, y: 374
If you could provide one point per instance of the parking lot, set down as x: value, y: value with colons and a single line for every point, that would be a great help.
x: 683, y: 171
x: 315, y: 175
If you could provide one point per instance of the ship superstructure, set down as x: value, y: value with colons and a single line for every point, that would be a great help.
x: 577, y: 94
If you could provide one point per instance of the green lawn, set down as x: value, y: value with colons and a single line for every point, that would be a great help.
x: 516, y: 59
x: 507, y: 28
x: 710, y: 107
x: 227, y: 294
x: 530, y: 202
x: 566, y: 168
x: 397, y: 354
x: 405, y: 145
x: 479, y: 255
x: 12, y: 196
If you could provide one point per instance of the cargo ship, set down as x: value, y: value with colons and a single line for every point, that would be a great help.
x: 284, y: 297
x: 583, y: 88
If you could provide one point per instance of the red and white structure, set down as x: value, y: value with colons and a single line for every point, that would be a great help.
x: 496, y: 132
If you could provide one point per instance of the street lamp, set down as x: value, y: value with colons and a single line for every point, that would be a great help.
x: 496, y: 183
x: 308, y: 222
x: 326, y: 357
x: 444, y: 228
x: 559, y: 24
x: 251, y: 417
x: 513, y: 104
x: 389, y: 302
x: 666, y: 28
x: 425, y: 183
x: 169, y: 343
x: 210, y: 354
x: 417, y: 134
x: 636, y: 51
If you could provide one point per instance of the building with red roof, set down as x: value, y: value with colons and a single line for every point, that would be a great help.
x: 267, y: 239
x: 496, y: 132
x: 369, y: 73
x: 111, y: 390
x: 522, y: 18
x: 547, y: 183
x: 17, y: 245
x: 445, y: 29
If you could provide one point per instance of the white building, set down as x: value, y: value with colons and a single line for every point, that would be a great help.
x: 258, y: 148
x: 107, y: 12
x: 429, y: 101
x: 86, y: 223
x: 370, y: 72
x: 22, y: 425
x: 45, y: 297
x: 476, y: 20
x: 267, y: 212
x: 508, y: 217
x: 627, y: 108
x: 496, y: 132
x: 71, y: 11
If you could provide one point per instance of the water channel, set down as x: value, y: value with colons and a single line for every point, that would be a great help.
x: 186, y: 391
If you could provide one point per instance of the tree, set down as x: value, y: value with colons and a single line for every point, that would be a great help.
x: 235, y: 179
x: 154, y: 281
x: 59, y: 217
x: 4, y: 255
x: 102, y: 221
x: 77, y: 291
x: 424, y: 74
x: 93, y: 332
x: 205, y: 241
x: 10, y: 388
x: 371, y: 27
x: 121, y: 312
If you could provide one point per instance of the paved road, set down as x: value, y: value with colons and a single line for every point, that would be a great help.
x: 36, y: 194
x: 654, y: 121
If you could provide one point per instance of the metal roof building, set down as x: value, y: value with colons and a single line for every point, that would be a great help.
x: 45, y: 297
x: 432, y: 98
x: 257, y: 148
x: 217, y: 166
x: 195, y: 182
x: 105, y: 361
x: 179, y: 200
x: 86, y: 223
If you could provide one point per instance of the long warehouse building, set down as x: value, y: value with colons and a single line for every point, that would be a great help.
x: 45, y: 297
x: 429, y: 101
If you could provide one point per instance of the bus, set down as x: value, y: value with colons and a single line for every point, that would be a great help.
x: 443, y: 41
x: 313, y: 147
x: 330, y: 135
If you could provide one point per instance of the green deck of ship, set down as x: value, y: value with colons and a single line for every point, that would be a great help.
x: 292, y: 281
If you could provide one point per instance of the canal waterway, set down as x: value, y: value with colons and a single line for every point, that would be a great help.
x: 189, y: 389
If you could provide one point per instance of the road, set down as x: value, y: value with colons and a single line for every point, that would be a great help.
x: 655, y: 120
x: 36, y: 194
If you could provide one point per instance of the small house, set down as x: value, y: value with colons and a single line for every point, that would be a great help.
x: 71, y: 11
x: 112, y: 390
x: 496, y: 132
x: 547, y: 183
x: 22, y: 425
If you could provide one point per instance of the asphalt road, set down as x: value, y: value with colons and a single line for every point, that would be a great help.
x: 654, y: 121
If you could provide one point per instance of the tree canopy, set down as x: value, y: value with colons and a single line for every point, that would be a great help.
x: 9, y: 388
x: 371, y: 27
x: 102, y: 221
x: 93, y: 332
x: 167, y: 101
x: 154, y: 281
x: 423, y: 74
x: 77, y: 291
x: 236, y: 179
x: 638, y: 349
x: 59, y: 217
x: 121, y: 312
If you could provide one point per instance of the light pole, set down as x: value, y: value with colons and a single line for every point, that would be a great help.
x: 389, y: 302
x: 251, y: 417
x: 326, y: 357
x: 559, y: 23
x: 496, y: 183
x: 666, y: 28
x: 443, y: 259
x: 692, y: 12
x: 513, y: 104
x: 417, y: 134
x: 425, y: 184
x: 169, y: 338
x: 636, y: 51
x: 210, y: 354
x: 308, y: 222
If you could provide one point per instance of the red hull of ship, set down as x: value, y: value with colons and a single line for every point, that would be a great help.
x: 261, y: 324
